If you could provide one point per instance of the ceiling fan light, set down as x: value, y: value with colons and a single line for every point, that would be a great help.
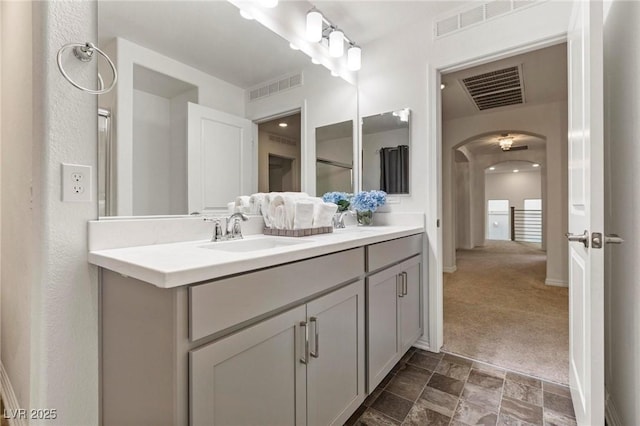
x: 505, y: 143
x: 354, y: 58
x: 336, y: 43
x: 314, y: 26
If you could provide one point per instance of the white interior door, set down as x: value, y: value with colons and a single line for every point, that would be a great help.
x: 586, y: 211
x: 219, y: 157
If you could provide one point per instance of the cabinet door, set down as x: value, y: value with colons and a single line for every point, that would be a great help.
x: 410, y: 303
x: 335, y: 373
x: 254, y: 377
x: 382, y: 324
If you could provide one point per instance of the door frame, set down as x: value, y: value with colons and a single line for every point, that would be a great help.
x: 435, y: 295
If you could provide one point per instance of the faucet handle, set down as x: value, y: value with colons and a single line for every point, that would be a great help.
x: 218, y: 235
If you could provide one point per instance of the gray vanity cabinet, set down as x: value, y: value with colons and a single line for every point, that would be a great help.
x: 302, y: 367
x: 394, y: 294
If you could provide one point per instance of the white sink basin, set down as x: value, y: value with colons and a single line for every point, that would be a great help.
x: 255, y: 244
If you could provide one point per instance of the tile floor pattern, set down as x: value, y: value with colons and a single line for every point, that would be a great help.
x: 425, y: 388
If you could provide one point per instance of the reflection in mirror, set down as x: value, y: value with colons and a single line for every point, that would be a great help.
x: 279, y: 154
x: 194, y: 78
x: 385, y: 152
x: 334, y: 158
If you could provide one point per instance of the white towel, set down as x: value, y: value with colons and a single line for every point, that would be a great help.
x: 276, y: 200
x: 279, y: 218
x: 255, y: 203
x: 242, y: 204
x: 303, y: 214
x: 323, y: 214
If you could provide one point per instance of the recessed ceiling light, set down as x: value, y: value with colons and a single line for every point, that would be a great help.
x: 442, y: 86
x: 283, y: 124
x: 293, y: 46
x: 246, y: 15
x: 536, y: 165
x: 516, y: 171
x: 492, y: 168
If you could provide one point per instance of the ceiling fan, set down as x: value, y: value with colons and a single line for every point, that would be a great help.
x: 506, y: 143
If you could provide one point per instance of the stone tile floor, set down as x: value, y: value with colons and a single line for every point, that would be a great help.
x: 425, y: 388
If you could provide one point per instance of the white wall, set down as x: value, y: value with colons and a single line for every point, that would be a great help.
x: 17, y: 255
x: 515, y: 187
x: 622, y: 210
x: 64, y: 306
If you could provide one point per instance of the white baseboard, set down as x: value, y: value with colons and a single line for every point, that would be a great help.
x: 610, y: 414
x: 11, y: 404
x: 423, y: 344
x: 556, y: 283
x: 449, y: 269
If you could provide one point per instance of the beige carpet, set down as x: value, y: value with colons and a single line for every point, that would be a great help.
x: 497, y: 309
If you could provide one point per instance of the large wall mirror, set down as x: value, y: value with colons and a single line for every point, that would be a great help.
x: 208, y: 106
x: 385, y: 151
x: 334, y: 158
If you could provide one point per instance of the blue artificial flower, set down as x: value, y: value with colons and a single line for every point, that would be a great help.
x: 342, y: 199
x: 369, y: 200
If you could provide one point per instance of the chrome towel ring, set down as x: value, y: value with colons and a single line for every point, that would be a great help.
x: 84, y: 52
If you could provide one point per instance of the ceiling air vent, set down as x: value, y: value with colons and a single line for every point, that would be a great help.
x: 496, y: 88
x: 267, y: 89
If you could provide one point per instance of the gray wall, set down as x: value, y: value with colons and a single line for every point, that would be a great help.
x: 622, y: 210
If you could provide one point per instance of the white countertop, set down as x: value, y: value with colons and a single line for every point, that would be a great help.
x: 175, y: 264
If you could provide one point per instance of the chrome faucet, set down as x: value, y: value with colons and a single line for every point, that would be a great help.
x: 338, y: 219
x: 234, y: 227
x: 218, y: 235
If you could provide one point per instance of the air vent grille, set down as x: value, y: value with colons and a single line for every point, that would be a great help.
x: 496, y: 88
x: 282, y: 140
x: 270, y: 88
x: 476, y: 14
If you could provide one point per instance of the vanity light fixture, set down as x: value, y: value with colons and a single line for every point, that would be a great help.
x: 354, y: 58
x: 314, y: 25
x: 336, y: 43
x: 283, y: 124
x: 246, y: 15
x: 320, y: 30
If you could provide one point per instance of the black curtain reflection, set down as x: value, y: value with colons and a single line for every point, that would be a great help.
x: 394, y: 169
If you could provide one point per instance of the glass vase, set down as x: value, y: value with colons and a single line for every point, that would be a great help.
x: 365, y: 217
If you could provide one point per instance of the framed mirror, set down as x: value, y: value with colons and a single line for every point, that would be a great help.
x: 186, y: 128
x: 386, y: 140
x: 334, y: 158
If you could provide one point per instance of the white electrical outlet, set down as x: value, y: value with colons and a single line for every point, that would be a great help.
x: 76, y: 183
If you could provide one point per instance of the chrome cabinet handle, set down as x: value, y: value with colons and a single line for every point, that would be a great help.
x: 316, y: 332
x: 405, y: 286
x: 305, y: 358
x: 399, y: 286
x: 583, y: 238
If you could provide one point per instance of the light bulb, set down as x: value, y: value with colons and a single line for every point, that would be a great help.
x: 336, y: 43
x: 354, y: 58
x: 314, y: 26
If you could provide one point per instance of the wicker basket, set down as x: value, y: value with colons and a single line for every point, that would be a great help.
x: 298, y: 232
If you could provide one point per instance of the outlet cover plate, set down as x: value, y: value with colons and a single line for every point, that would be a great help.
x: 76, y: 183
